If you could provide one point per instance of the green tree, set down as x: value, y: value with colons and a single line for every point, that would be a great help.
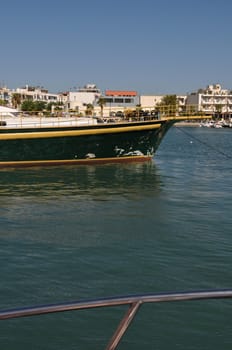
x: 58, y: 106
x: 218, y: 110
x: 168, y: 105
x: 138, y: 110
x: 16, y: 100
x: 28, y: 106
x: 39, y: 106
x: 101, y: 102
x: 169, y: 100
x: 89, y: 109
x: 3, y: 102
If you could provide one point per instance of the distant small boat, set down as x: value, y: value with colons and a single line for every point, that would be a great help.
x: 26, y: 142
x: 212, y: 124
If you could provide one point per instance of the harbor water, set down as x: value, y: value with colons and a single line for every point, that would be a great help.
x: 76, y: 233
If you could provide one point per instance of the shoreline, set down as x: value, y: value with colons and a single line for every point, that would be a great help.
x: 187, y: 123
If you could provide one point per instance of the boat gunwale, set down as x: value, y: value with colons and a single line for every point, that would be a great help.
x: 123, y: 123
x: 132, y: 301
x: 116, y: 301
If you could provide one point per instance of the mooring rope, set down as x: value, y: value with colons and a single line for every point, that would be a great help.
x: 204, y: 143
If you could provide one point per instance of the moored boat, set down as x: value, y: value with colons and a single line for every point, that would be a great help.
x: 52, y: 141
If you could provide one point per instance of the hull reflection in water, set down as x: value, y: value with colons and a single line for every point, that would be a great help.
x: 131, y: 179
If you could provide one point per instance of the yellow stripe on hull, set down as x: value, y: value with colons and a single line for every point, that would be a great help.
x: 74, y: 133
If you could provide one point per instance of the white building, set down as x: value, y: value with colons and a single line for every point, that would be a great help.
x: 36, y: 94
x: 150, y: 101
x: 5, y: 94
x: 119, y: 101
x: 212, y: 100
x: 78, y: 100
x: 114, y: 100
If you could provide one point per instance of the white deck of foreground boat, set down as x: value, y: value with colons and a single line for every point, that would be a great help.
x: 36, y: 122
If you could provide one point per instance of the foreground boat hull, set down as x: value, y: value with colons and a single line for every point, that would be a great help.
x: 118, y: 142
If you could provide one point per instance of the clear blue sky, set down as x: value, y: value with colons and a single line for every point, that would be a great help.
x: 151, y: 46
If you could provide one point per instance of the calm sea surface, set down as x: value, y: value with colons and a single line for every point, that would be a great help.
x: 74, y: 233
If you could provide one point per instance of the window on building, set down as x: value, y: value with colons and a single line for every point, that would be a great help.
x: 129, y: 100
x: 108, y: 100
x: 118, y: 100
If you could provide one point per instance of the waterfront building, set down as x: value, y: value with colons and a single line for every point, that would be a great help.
x: 150, y: 101
x: 36, y: 94
x: 63, y: 97
x: 117, y: 101
x: 79, y: 100
x: 212, y: 100
x: 5, y: 95
x: 181, y: 101
x: 114, y: 101
x: 121, y: 98
x: 28, y: 93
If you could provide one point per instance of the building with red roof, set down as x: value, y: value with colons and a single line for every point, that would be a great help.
x: 121, y: 98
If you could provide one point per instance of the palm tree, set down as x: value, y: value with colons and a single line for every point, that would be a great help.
x: 138, y: 110
x: 89, y: 109
x: 101, y: 102
x: 16, y: 100
x: 218, y: 110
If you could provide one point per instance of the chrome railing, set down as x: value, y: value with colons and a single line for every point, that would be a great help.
x: 133, y: 302
x: 116, y: 112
